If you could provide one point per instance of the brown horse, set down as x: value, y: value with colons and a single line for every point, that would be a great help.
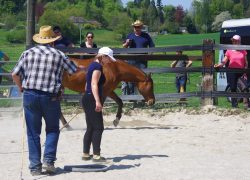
x: 115, y: 72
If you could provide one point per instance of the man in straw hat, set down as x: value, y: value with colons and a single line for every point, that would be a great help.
x: 137, y: 39
x: 38, y: 74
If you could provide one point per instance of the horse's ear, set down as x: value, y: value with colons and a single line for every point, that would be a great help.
x: 149, y: 75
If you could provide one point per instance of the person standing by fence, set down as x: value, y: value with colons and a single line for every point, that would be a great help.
x: 89, y: 43
x: 92, y: 102
x: 62, y: 42
x: 5, y: 58
x: 38, y: 74
x: 181, y: 78
x: 137, y: 39
x: 236, y: 59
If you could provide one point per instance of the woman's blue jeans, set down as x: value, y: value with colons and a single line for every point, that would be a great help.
x: 38, y: 105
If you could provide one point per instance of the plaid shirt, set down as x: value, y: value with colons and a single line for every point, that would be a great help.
x: 41, y: 68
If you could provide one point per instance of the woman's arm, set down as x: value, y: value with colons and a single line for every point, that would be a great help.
x: 94, y: 86
x: 173, y: 64
x: 223, y: 62
x: 189, y: 63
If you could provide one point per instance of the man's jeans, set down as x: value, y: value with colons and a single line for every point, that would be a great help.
x: 38, y: 104
x: 181, y: 81
x: 128, y: 88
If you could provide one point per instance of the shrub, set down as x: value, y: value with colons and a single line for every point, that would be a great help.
x: 16, y: 36
x: 89, y: 26
x: 10, y: 22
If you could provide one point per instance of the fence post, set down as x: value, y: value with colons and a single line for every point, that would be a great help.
x: 30, y: 22
x: 207, y: 86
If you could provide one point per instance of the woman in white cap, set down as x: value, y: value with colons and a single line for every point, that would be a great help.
x: 92, y: 102
x: 234, y: 59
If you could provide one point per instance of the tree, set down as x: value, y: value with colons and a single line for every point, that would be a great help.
x: 169, y: 12
x: 179, y: 14
x: 160, y: 11
x: 146, y: 4
x: 206, y: 15
x: 153, y: 16
x: 6, y: 7
x: 197, y: 14
x: 247, y: 13
x: 223, y: 16
x: 187, y: 22
x: 238, y: 11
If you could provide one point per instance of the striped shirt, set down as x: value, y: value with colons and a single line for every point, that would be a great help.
x: 41, y: 68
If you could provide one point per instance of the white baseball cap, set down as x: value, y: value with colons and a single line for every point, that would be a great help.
x: 236, y: 37
x: 107, y: 51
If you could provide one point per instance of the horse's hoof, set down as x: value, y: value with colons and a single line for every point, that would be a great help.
x: 116, y: 122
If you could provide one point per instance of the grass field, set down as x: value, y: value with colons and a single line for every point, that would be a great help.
x: 162, y: 82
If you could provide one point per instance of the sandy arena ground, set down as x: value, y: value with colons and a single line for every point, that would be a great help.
x: 207, y: 144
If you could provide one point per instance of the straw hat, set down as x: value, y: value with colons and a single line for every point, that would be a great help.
x: 107, y: 51
x: 45, y: 35
x: 137, y: 23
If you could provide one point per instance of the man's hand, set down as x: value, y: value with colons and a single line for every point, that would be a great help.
x: 127, y: 43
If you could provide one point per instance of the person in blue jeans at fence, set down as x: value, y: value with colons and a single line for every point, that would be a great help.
x: 5, y: 58
x: 38, y: 74
x: 181, y: 78
x: 137, y: 39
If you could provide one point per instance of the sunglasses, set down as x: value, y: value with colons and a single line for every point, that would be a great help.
x: 56, y: 32
x: 137, y: 27
x: 90, y: 37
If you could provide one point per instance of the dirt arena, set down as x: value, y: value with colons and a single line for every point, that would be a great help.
x: 177, y: 144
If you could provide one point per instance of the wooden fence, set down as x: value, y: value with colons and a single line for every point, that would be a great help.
x: 207, y: 94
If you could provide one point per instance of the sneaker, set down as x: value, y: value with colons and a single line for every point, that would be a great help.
x: 49, y: 168
x: 98, y: 158
x: 36, y: 172
x: 86, y: 157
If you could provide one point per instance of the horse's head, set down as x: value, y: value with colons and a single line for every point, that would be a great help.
x: 146, y: 88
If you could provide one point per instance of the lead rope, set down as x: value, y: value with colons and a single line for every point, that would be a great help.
x: 70, y: 119
x: 21, y: 171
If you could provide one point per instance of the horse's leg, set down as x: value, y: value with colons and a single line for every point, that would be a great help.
x: 119, y: 102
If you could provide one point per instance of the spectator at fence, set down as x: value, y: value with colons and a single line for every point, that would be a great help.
x: 235, y: 59
x: 92, y: 102
x: 38, y: 74
x: 89, y: 43
x: 62, y: 42
x: 181, y: 78
x: 5, y: 58
x: 137, y: 39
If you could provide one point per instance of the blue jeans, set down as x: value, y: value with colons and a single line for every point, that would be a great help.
x: 128, y: 88
x: 181, y: 81
x: 38, y: 104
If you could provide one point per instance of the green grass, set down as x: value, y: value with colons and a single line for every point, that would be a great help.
x: 184, y: 39
x: 105, y: 38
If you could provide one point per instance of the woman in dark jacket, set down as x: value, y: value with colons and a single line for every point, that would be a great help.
x: 92, y: 102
